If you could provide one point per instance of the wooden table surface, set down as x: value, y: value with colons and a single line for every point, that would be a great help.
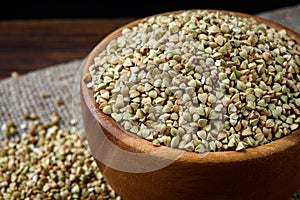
x: 27, y: 45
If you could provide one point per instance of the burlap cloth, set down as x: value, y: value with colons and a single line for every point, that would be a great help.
x: 22, y: 94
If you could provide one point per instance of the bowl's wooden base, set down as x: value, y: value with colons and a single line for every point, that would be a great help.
x: 247, y: 181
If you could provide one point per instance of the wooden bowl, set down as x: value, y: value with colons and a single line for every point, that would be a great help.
x: 270, y: 171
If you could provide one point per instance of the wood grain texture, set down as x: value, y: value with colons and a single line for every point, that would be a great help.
x: 27, y: 45
x: 268, y: 172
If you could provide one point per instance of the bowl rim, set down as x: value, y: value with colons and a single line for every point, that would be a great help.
x: 127, y: 139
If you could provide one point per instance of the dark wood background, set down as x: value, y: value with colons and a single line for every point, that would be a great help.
x: 27, y: 45
x: 129, y: 8
x: 36, y: 34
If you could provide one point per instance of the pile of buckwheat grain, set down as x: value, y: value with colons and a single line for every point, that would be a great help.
x: 48, y: 162
x: 200, y: 81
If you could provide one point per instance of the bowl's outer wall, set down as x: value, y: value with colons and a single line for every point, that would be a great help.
x: 268, y: 172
